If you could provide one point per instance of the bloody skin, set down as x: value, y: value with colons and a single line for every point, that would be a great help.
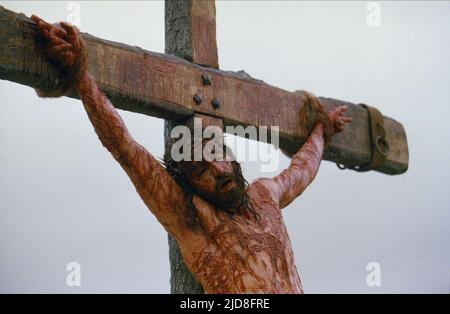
x: 231, y: 253
x: 219, y: 182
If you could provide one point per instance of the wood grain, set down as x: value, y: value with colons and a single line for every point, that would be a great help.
x: 163, y: 85
x: 179, y: 41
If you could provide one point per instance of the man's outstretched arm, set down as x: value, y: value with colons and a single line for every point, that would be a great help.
x: 291, y: 182
x: 155, y: 186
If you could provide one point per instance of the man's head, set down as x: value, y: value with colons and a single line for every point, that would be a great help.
x: 219, y: 182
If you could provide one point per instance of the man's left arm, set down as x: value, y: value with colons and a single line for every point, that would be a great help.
x: 292, y: 181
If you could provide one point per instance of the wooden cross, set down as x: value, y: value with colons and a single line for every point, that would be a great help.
x: 187, y: 81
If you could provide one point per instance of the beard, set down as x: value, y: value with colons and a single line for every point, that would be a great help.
x: 229, y: 192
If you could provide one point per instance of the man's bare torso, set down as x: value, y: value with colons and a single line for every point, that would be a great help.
x: 243, y: 253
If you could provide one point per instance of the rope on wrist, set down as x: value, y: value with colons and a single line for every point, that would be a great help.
x: 71, y: 76
x: 313, y: 105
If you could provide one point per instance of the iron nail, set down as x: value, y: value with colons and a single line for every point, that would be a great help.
x: 206, y: 79
x: 198, y: 98
x: 215, y: 103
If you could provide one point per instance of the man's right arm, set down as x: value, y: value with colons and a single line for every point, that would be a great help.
x: 156, y: 187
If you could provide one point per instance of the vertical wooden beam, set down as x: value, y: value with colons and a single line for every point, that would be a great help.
x: 204, y: 44
x: 190, y: 28
x: 191, y: 31
x: 181, y: 279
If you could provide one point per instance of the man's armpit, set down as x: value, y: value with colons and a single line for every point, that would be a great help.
x: 266, y: 188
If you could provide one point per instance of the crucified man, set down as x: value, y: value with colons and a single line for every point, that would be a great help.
x: 232, y: 235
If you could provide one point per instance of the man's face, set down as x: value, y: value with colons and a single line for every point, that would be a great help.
x: 219, y: 182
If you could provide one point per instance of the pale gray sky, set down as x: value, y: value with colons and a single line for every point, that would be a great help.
x: 63, y: 198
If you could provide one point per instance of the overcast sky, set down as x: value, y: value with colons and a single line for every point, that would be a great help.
x: 64, y: 199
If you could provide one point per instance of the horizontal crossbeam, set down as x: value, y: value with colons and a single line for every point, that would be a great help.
x: 165, y: 86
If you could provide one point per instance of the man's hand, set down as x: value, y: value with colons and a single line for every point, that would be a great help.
x: 338, y: 120
x: 63, y: 42
x: 64, y: 48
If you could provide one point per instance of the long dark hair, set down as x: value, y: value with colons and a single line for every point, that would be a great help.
x: 175, y: 171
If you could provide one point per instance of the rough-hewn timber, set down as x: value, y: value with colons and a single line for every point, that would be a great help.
x: 164, y: 85
x: 185, y: 18
x: 180, y: 41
